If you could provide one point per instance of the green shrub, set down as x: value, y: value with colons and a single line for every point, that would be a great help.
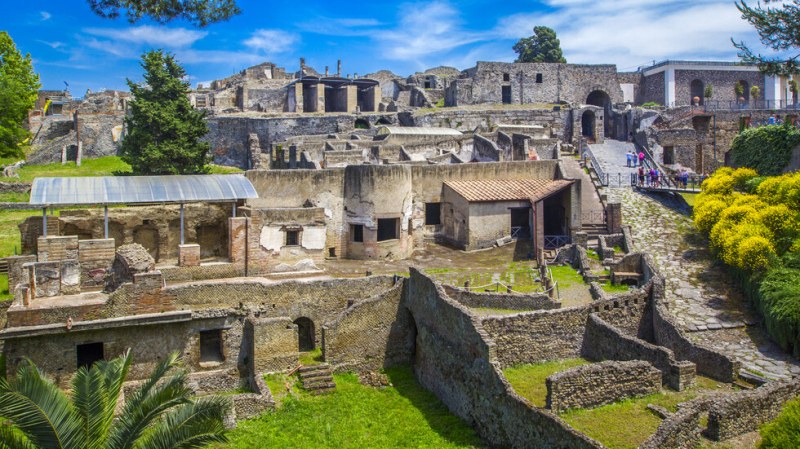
x: 752, y: 184
x: 440, y: 103
x: 651, y: 104
x: 784, y: 431
x: 778, y: 299
x: 767, y: 149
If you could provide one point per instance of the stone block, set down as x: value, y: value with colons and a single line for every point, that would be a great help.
x: 96, y: 257
x: 16, y: 274
x: 272, y: 343
x: 189, y: 255
x: 70, y: 277
x: 614, y: 218
x: 54, y: 248
x: 582, y: 239
x: 237, y: 239
x: 46, y: 279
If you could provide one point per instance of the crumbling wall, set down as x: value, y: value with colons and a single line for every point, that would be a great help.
x: 370, y: 335
x: 129, y: 261
x: 455, y: 360
x: 746, y: 411
x: 602, y: 383
x: 533, y: 301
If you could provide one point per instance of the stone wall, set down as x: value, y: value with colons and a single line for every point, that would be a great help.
x: 654, y: 89
x: 602, y: 383
x: 270, y: 345
x: 470, y: 119
x: 370, y: 335
x: 746, y: 411
x: 455, y: 360
x: 484, y: 150
x: 533, y: 301
x: 723, y: 82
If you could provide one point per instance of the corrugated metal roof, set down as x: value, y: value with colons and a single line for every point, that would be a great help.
x: 140, y: 189
x: 507, y: 189
x: 417, y: 130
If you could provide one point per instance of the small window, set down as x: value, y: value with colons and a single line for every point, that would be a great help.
x: 433, y: 213
x: 539, y: 78
x: 211, y: 346
x: 388, y: 228
x: 89, y: 353
x: 506, y: 77
x: 357, y: 232
x: 292, y: 238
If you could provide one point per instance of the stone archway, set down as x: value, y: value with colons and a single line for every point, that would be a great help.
x: 305, y: 334
x: 588, y: 126
x: 601, y: 99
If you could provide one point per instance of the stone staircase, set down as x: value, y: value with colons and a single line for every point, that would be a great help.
x: 317, y: 379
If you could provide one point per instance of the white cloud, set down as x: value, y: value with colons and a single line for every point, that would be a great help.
x: 44, y: 15
x: 150, y: 35
x: 271, y: 41
x: 55, y: 45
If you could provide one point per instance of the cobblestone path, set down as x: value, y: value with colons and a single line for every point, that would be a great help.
x: 611, y: 157
x: 702, y: 296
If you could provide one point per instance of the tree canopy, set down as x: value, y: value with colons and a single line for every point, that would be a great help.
x: 163, y: 129
x: 197, y: 12
x: 18, y: 92
x: 778, y: 25
x: 543, y: 46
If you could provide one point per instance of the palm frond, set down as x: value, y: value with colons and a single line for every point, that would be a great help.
x: 12, y: 438
x: 41, y: 411
x: 189, y: 426
x: 147, y: 404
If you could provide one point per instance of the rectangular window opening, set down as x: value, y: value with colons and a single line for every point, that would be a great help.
x: 211, y: 346
x: 292, y: 238
x: 433, y: 213
x: 89, y: 353
x: 357, y: 233
x: 539, y: 78
x: 506, y: 77
x: 388, y: 229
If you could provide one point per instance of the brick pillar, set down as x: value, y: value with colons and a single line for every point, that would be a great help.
x: 352, y: 98
x: 237, y: 239
x: 614, y: 218
x: 189, y: 255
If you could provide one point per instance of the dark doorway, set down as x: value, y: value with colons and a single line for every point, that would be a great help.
x: 89, y: 353
x: 601, y: 99
x: 361, y: 123
x: 506, y: 92
x: 72, y: 153
x: 211, y: 346
x: 669, y: 155
x: 588, y: 125
x: 555, y: 222
x: 357, y: 233
x: 520, y: 222
x: 433, y: 213
x: 305, y: 334
x: 388, y: 229
x: 310, y: 97
x: 696, y: 89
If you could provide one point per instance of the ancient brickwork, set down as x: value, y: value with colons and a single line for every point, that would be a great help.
x: 370, y: 335
x: 723, y: 82
x: 95, y: 257
x: 471, y: 119
x: 54, y: 248
x: 271, y: 345
x: 602, y: 383
x: 654, y: 89
x: 189, y: 255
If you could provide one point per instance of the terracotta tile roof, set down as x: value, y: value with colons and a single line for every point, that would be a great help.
x: 507, y: 189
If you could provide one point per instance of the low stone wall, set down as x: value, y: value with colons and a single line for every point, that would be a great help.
x: 370, y: 335
x: 15, y: 187
x: 746, y: 411
x: 221, y: 270
x: 682, y: 429
x: 605, y: 342
x: 502, y: 300
x: 601, y: 383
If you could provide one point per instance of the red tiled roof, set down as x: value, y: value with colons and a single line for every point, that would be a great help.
x: 507, y: 189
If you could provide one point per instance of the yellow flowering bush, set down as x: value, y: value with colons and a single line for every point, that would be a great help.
x: 754, y: 253
x: 741, y: 176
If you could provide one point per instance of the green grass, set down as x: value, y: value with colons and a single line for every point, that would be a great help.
x: 690, y: 198
x: 592, y: 254
x: 529, y: 380
x: 354, y: 416
x: 9, y: 233
x: 14, y: 197
x: 566, y: 276
x: 313, y: 357
x: 521, y: 276
x: 626, y: 424
x: 101, y: 166
x: 614, y: 288
x: 5, y: 295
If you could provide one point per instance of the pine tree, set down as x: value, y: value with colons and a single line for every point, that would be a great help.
x: 778, y: 29
x: 543, y: 46
x: 197, y: 12
x: 18, y: 92
x: 163, y: 130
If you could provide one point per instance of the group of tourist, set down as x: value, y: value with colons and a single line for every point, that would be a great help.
x: 634, y: 159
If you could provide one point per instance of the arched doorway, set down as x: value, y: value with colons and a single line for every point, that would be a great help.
x: 601, y: 99
x: 696, y: 89
x: 361, y: 123
x: 588, y: 125
x: 305, y: 334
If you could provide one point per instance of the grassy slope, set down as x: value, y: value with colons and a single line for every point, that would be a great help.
x: 355, y: 416
x: 529, y: 380
x: 5, y: 295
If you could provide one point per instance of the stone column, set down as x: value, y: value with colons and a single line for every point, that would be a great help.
x: 614, y: 218
x: 352, y: 98
x: 189, y: 255
x: 237, y: 239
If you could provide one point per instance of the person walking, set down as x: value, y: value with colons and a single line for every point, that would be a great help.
x: 641, y: 158
x: 641, y: 176
x: 628, y: 157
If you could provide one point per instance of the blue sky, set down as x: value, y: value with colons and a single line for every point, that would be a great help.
x: 69, y: 43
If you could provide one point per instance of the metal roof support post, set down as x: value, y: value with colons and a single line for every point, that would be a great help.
x: 181, y: 223
x: 44, y: 221
x: 234, y: 209
x: 105, y: 221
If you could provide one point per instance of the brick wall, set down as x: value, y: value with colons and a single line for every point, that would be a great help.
x: 95, y: 257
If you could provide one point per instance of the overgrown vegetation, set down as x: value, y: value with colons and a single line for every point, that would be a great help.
x: 766, y: 149
x: 651, y: 104
x: 101, y: 166
x: 784, y: 431
x: 18, y: 91
x: 403, y: 415
x: 5, y: 294
x: 753, y: 224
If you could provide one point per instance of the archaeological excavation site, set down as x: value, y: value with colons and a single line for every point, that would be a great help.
x: 472, y: 243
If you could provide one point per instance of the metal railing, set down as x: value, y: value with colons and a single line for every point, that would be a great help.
x: 520, y: 232
x: 669, y: 183
x: 556, y: 241
x: 750, y: 105
x: 593, y: 216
